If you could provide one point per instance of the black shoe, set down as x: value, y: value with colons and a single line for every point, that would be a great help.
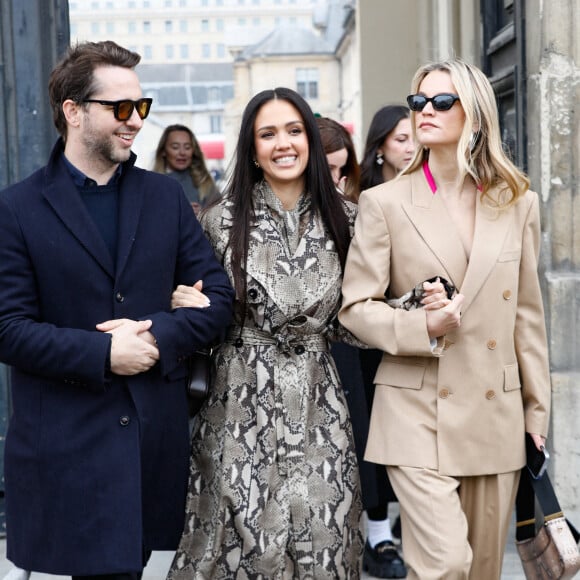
x: 396, y: 530
x: 383, y: 561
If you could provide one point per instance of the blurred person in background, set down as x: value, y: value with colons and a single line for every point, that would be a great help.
x: 179, y: 155
x: 356, y: 367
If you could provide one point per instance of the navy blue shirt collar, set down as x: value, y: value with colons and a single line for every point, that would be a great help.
x: 81, y: 180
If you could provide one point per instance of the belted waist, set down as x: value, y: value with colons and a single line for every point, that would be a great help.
x: 285, y: 342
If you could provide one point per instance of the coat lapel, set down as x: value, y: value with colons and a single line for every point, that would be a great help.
x: 62, y: 195
x: 130, y: 203
x: 491, y: 228
x: 432, y: 222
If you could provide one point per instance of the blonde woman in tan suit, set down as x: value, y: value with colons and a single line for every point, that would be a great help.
x: 459, y: 385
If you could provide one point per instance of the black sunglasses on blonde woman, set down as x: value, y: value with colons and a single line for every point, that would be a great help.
x: 124, y: 108
x: 441, y: 102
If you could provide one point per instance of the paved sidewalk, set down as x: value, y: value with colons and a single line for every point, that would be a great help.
x: 160, y: 562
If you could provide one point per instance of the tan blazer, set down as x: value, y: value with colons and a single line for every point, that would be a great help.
x: 463, y: 408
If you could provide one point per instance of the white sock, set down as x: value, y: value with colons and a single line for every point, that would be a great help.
x: 378, y: 531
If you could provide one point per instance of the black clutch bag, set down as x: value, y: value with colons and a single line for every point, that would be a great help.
x: 199, y: 374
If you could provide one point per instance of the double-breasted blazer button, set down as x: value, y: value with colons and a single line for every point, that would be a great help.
x: 239, y: 342
x: 507, y: 294
x: 443, y: 393
x: 124, y: 421
x: 491, y: 343
x: 119, y: 297
x: 253, y: 293
x: 300, y: 349
x: 489, y: 395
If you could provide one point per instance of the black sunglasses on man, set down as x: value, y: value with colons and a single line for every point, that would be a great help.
x: 123, y: 109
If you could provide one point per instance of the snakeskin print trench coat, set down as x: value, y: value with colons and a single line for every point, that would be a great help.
x: 274, y: 488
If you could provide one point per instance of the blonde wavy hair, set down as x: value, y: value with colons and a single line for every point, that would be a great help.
x: 480, y: 153
x: 200, y: 175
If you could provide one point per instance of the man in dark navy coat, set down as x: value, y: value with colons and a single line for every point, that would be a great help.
x: 91, y: 248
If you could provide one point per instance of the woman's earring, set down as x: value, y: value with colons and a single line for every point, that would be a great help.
x: 256, y: 163
x: 473, y: 140
x: 379, y: 160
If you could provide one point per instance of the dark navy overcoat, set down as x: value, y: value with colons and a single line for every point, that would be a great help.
x: 96, y: 464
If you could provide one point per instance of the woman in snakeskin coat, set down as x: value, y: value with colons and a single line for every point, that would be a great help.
x: 274, y: 490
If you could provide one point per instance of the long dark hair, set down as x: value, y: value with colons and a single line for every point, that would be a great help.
x: 335, y: 137
x: 383, y: 122
x: 325, y: 200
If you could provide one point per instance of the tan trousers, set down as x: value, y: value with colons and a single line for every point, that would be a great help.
x: 454, y: 528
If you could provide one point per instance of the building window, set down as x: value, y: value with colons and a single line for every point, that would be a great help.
x: 147, y: 27
x: 215, y: 124
x: 168, y: 3
x: 214, y: 95
x: 110, y: 27
x: 132, y: 27
x: 146, y: 3
x: 183, y: 3
x: 147, y: 52
x: 110, y: 6
x: 241, y: 22
x: 204, y: 3
x: 95, y: 28
x: 219, y: 2
x: 184, y: 51
x: 219, y: 24
x: 94, y: 5
x: 256, y: 21
x: 205, y: 25
x: 132, y: 4
x: 169, y: 51
x: 169, y: 26
x: 205, y: 50
x: 307, y: 82
x: 221, y: 50
x: 183, y: 26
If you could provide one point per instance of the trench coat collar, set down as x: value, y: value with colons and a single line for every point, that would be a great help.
x: 431, y: 219
x: 62, y: 195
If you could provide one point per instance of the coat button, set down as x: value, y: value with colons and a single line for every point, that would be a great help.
x: 507, y: 294
x: 239, y: 342
x: 489, y: 395
x: 444, y: 393
x: 119, y: 297
x: 253, y: 293
x: 300, y: 349
x: 491, y: 343
x: 124, y: 421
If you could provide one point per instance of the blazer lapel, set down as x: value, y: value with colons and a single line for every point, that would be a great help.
x: 491, y: 228
x: 431, y: 220
x: 62, y: 195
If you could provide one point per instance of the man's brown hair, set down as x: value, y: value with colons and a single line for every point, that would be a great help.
x: 73, y: 78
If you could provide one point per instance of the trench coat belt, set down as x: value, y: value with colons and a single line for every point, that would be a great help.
x: 284, y: 341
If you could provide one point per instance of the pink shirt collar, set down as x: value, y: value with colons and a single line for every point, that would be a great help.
x: 431, y: 181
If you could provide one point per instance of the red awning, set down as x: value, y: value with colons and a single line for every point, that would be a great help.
x: 212, y: 149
